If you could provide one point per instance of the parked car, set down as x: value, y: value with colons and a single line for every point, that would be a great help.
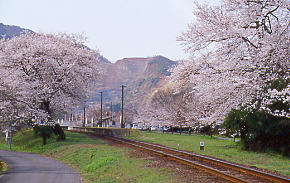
x: 165, y: 129
x: 153, y: 128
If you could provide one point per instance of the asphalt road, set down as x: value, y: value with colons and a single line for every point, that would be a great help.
x: 34, y: 168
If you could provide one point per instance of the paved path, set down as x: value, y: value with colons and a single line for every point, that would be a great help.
x: 34, y: 168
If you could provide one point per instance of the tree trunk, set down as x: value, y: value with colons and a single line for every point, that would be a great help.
x: 44, y: 139
x: 45, y: 105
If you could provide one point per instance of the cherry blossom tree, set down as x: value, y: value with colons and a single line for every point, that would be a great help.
x: 165, y: 107
x: 236, y: 48
x: 93, y: 111
x: 42, y: 74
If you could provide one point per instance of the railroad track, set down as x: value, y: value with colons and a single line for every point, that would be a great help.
x: 224, y: 169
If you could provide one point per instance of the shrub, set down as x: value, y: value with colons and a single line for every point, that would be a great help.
x: 259, y: 130
x: 264, y: 123
x: 59, y: 132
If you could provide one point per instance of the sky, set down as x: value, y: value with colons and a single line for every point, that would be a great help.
x: 117, y: 28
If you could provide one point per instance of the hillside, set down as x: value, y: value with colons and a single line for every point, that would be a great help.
x: 9, y: 31
x: 139, y: 75
x: 153, y: 77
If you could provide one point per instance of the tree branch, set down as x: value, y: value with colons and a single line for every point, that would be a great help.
x: 248, y: 41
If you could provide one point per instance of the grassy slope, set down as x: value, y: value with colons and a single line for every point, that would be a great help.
x: 94, y: 159
x: 223, y: 149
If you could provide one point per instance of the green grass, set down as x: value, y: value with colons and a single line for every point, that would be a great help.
x: 3, y: 167
x: 223, y: 149
x: 103, y: 163
x: 94, y: 159
x: 25, y: 141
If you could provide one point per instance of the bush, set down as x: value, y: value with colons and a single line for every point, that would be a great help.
x: 59, y: 132
x: 264, y: 124
x: 207, y: 130
x: 259, y: 130
x: 235, y: 123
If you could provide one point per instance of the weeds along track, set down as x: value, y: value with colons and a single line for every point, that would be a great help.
x: 220, y: 168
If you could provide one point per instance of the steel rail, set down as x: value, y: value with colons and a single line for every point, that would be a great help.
x: 188, y: 162
x: 240, y: 168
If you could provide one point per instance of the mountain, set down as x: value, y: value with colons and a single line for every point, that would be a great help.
x: 103, y: 59
x: 140, y: 76
x: 152, y: 78
x: 9, y: 31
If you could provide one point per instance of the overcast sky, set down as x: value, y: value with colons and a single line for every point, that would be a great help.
x: 118, y: 28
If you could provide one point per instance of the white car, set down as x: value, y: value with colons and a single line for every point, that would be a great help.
x: 153, y: 128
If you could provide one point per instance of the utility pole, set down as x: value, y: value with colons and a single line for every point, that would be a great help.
x: 84, y: 122
x: 112, y: 112
x: 10, y: 129
x: 122, y: 117
x: 101, y: 109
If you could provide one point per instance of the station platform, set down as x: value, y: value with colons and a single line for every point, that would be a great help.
x: 105, y: 131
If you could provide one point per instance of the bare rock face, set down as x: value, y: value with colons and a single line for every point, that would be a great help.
x: 139, y: 75
x: 130, y: 70
x: 125, y: 71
